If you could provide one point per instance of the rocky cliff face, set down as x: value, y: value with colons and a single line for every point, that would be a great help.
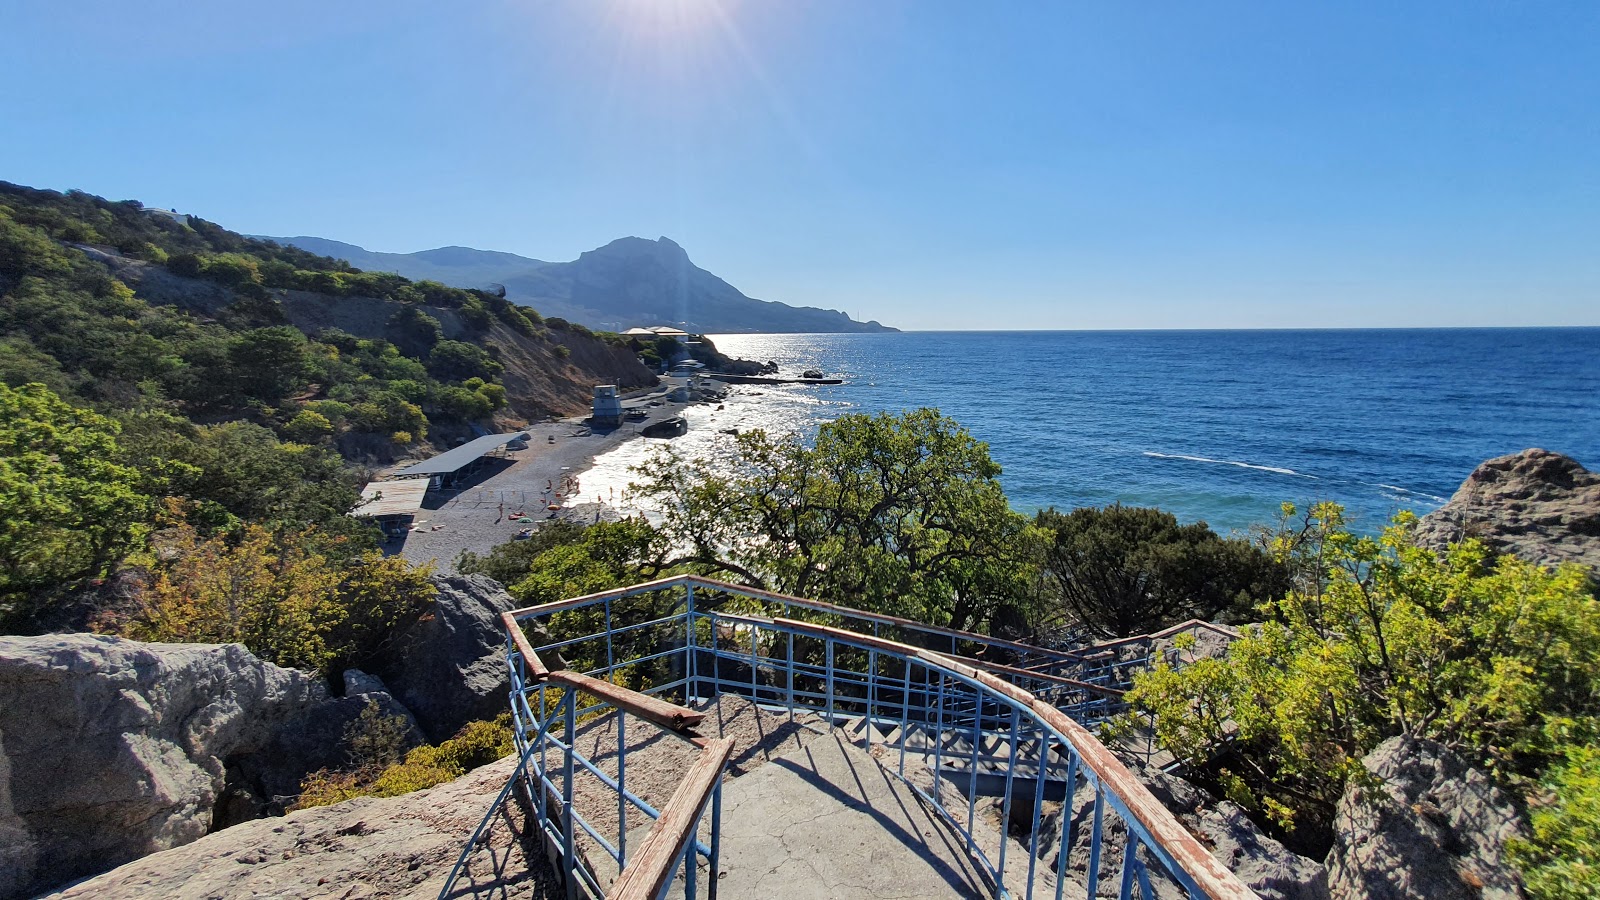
x: 112, y: 749
x: 1537, y: 505
x: 1434, y: 828
x: 450, y: 669
x: 401, y: 847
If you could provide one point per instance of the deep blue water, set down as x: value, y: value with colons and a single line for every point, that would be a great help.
x: 1220, y: 426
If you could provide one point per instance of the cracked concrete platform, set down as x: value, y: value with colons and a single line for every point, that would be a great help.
x: 871, y: 836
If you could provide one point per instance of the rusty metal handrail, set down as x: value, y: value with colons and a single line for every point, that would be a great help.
x: 665, y: 847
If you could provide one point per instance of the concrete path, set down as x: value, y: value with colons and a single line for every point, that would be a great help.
x: 826, y: 821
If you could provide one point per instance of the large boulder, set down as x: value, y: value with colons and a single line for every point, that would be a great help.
x: 1432, y: 828
x: 267, y: 781
x: 450, y: 668
x: 398, y: 847
x: 1263, y: 864
x: 1537, y: 505
x: 111, y: 749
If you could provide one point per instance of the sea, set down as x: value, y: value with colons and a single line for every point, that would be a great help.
x: 1220, y: 427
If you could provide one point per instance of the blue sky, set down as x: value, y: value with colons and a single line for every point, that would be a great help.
x: 927, y: 164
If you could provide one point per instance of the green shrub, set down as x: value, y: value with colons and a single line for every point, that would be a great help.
x: 479, y: 743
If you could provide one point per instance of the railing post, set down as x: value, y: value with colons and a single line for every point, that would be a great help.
x: 1038, y: 803
x: 789, y: 693
x: 690, y: 675
x: 611, y: 657
x: 938, y: 736
x: 568, y: 843
x: 872, y: 691
x: 1069, y: 815
x: 1129, y: 860
x: 1005, y: 805
x: 905, y: 716
x: 622, y: 790
x: 1094, y: 842
x: 716, y: 838
x: 828, y: 674
x: 972, y: 775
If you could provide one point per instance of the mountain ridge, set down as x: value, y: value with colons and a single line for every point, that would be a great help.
x: 630, y: 281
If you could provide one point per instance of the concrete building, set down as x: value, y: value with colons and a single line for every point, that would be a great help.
x: 607, y: 407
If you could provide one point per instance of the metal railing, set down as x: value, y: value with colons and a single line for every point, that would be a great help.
x: 982, y: 719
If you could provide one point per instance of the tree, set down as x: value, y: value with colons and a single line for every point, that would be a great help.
x: 288, y: 597
x: 1127, y: 570
x: 1495, y: 658
x: 267, y: 364
x: 458, y: 361
x: 898, y: 514
x: 72, y: 505
x: 414, y: 331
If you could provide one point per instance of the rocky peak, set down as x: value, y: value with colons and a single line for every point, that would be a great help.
x: 1541, y: 506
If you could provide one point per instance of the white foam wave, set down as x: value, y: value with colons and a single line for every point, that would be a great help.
x: 1406, y: 493
x: 1228, y: 462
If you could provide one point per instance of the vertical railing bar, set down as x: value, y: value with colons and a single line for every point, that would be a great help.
x: 1094, y: 842
x: 755, y: 691
x: 1069, y: 817
x: 692, y: 685
x: 872, y: 688
x: 691, y: 867
x: 972, y: 773
x: 569, y: 858
x: 789, y: 695
x: 1125, y: 890
x: 905, y: 717
x: 1038, y: 803
x: 938, y: 739
x: 716, y: 838
x: 1145, y: 893
x: 622, y: 791
x: 828, y: 674
x: 1005, y: 805
x: 611, y: 659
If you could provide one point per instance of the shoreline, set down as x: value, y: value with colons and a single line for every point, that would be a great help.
x: 477, y: 517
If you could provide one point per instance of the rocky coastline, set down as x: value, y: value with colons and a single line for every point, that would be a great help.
x: 114, y: 754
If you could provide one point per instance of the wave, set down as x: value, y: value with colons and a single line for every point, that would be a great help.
x: 1408, y: 492
x: 1228, y: 462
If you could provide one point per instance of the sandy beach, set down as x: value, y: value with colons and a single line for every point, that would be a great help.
x: 478, y: 513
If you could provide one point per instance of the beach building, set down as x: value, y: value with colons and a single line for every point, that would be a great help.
x: 607, y: 407
x: 451, y: 464
x: 392, y: 504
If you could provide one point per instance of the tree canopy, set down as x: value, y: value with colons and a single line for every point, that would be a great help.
x: 1494, y: 657
x: 898, y: 514
x: 1127, y: 570
x: 72, y: 505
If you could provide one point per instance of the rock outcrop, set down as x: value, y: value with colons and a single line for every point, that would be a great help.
x: 399, y: 847
x: 450, y: 668
x: 267, y: 781
x: 1263, y: 864
x: 1433, y: 829
x: 111, y: 749
x: 1537, y: 505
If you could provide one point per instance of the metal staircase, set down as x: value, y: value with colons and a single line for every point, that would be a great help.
x: 956, y: 716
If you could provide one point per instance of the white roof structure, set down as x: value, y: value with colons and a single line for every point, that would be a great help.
x: 392, y: 498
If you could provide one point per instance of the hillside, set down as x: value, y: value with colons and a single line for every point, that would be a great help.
x: 630, y: 281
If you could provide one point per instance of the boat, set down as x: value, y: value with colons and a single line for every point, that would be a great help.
x: 666, y: 428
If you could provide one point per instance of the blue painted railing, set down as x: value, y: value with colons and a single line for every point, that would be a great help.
x: 995, y: 718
